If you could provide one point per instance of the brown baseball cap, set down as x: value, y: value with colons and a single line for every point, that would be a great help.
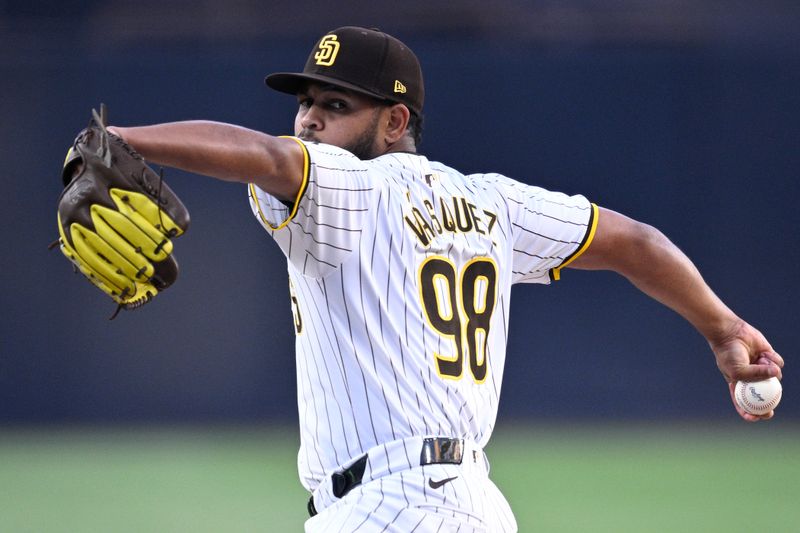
x: 364, y: 60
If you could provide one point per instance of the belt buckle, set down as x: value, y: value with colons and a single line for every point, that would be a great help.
x: 439, y: 450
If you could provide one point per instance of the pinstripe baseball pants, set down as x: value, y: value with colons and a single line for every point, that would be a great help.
x: 398, y: 495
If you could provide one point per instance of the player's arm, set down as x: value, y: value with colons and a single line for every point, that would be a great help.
x: 223, y: 151
x: 644, y: 256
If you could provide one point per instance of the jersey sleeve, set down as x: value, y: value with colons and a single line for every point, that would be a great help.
x: 324, y: 225
x: 549, y: 230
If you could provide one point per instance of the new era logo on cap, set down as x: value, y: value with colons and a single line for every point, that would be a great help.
x: 364, y: 60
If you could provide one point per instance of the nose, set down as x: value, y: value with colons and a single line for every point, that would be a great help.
x: 310, y: 120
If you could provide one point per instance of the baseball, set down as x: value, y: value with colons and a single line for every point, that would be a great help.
x: 758, y: 397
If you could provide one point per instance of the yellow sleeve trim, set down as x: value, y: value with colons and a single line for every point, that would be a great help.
x: 556, y: 272
x: 300, y: 192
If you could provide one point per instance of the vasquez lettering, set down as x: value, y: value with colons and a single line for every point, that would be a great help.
x: 454, y: 214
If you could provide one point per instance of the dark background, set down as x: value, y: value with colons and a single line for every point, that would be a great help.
x: 684, y: 115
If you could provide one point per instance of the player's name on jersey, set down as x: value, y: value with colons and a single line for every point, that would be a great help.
x: 454, y: 214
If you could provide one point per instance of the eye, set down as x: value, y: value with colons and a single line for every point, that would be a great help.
x: 337, y: 105
x: 305, y: 102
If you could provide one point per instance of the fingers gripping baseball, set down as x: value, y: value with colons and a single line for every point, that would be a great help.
x: 747, y: 356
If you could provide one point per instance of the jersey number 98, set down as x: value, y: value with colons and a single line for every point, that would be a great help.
x: 459, y: 306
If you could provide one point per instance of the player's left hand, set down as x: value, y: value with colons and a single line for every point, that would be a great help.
x: 746, y: 355
x: 117, y: 217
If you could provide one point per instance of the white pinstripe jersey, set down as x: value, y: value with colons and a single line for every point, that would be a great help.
x: 400, y: 274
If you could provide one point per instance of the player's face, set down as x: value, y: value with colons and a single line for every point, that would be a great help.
x: 343, y: 118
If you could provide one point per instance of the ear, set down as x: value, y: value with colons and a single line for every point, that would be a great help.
x: 396, y: 123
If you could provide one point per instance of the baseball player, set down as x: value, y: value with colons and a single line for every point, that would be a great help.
x: 400, y: 275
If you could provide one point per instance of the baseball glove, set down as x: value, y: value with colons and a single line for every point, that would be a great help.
x: 116, y: 217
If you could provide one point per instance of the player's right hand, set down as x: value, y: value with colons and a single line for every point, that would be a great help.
x: 746, y: 355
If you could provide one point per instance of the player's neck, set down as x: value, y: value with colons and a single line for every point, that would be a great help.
x: 404, y: 145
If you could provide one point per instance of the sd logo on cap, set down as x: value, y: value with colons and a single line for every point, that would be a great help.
x: 364, y: 60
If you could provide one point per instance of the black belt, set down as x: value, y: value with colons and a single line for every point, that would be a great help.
x: 435, y: 451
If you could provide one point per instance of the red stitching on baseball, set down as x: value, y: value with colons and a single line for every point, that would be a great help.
x: 745, y: 403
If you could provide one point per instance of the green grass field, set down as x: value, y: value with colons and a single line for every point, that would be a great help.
x: 593, y: 478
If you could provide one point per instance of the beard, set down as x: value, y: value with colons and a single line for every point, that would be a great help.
x: 363, y: 147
